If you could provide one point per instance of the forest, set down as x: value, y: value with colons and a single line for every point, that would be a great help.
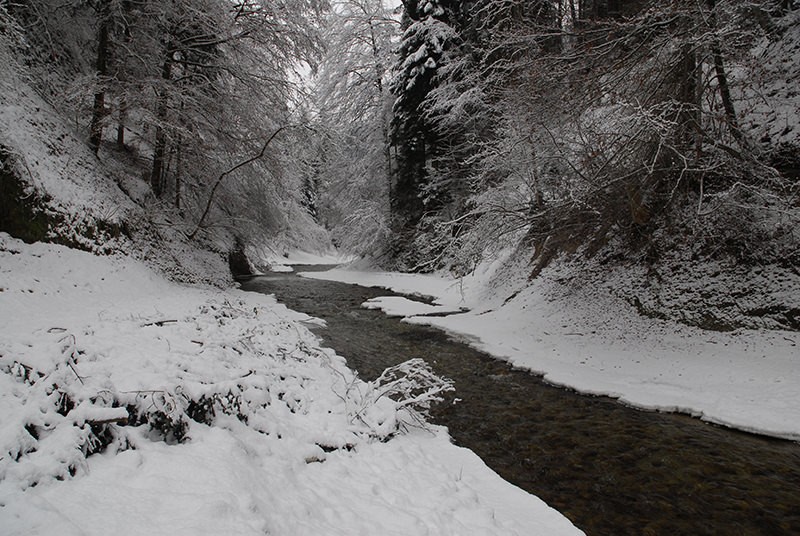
x: 567, y: 285
x: 658, y: 136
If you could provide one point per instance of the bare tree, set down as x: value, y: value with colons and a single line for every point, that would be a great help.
x: 354, y: 164
x: 587, y: 119
x: 196, y: 86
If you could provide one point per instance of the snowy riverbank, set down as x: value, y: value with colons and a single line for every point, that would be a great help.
x: 589, y: 340
x: 294, y: 444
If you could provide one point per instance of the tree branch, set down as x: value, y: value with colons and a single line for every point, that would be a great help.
x: 228, y: 172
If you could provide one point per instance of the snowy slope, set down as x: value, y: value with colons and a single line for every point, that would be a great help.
x: 97, y: 205
x: 134, y: 405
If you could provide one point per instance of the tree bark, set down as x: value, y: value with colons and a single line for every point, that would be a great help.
x: 687, y: 78
x: 722, y: 80
x: 160, y: 146
x: 101, y: 66
x: 725, y: 95
x: 385, y: 121
x: 123, y: 114
x: 178, y: 164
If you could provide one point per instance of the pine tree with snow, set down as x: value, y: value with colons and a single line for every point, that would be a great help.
x: 428, y: 31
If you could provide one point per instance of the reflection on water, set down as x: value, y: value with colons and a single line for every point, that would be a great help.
x: 611, y: 469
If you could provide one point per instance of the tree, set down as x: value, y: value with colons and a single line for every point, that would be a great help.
x: 427, y: 33
x: 576, y: 118
x: 197, y: 86
x: 99, y: 108
x: 632, y: 119
x: 447, y: 115
x: 353, y: 166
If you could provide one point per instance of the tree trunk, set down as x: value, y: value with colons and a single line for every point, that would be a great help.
x: 123, y: 114
x: 178, y: 163
x: 687, y: 78
x: 159, y: 152
x: 722, y: 80
x: 160, y: 146
x: 99, y: 108
x: 385, y: 121
x: 725, y: 95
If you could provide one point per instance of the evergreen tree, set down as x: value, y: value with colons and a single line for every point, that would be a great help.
x: 427, y: 33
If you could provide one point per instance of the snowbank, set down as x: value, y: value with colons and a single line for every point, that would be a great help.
x: 273, y: 261
x: 134, y: 405
x: 590, y: 340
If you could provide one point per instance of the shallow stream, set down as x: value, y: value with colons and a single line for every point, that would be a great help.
x: 610, y: 469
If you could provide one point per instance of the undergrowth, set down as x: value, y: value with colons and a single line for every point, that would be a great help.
x: 64, y: 403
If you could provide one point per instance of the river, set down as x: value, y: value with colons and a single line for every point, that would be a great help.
x: 612, y: 470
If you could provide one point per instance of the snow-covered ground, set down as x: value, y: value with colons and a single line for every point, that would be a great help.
x: 588, y: 339
x: 277, y: 435
x: 293, y: 257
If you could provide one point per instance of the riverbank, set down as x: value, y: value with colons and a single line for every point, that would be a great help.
x: 136, y: 405
x: 588, y: 339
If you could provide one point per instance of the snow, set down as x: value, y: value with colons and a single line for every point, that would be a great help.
x: 399, y: 306
x: 590, y: 340
x: 768, y: 95
x: 294, y: 444
x: 282, y: 263
x: 67, y: 176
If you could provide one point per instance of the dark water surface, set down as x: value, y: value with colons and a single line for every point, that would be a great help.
x: 610, y: 469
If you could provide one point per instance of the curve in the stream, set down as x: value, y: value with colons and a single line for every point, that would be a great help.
x: 610, y: 469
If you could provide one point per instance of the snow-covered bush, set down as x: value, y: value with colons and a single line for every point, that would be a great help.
x: 70, y: 393
x: 399, y: 398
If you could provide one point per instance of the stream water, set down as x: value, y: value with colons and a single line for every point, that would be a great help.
x: 610, y: 469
